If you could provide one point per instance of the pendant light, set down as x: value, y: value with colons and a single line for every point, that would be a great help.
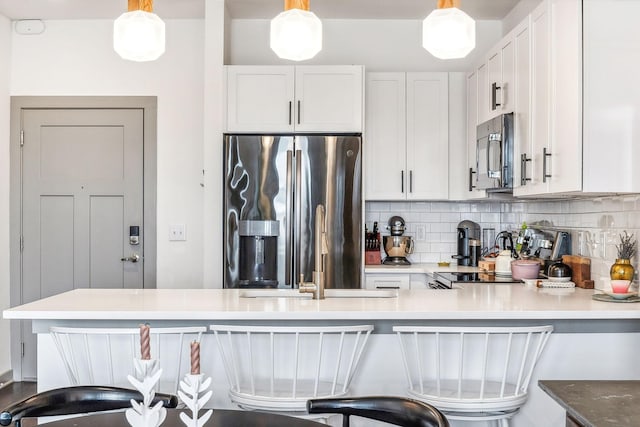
x: 138, y: 35
x: 448, y: 32
x: 296, y: 33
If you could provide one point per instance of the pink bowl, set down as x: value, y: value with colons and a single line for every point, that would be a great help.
x: 620, y: 286
x: 525, y: 269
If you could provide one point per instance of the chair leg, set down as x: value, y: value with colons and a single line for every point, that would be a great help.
x: 503, y: 422
x: 345, y: 420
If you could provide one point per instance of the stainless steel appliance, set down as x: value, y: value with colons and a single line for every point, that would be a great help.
x: 467, y: 231
x: 397, y: 246
x: 494, y: 154
x: 283, y: 178
x: 449, y: 280
x: 258, y: 253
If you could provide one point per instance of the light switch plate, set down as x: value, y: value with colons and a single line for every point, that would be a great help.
x: 177, y: 232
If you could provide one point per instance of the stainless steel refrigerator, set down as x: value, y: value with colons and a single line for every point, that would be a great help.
x: 272, y: 185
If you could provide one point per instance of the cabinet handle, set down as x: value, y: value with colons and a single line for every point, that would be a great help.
x: 544, y: 164
x: 298, y: 111
x: 523, y: 169
x: 290, y: 105
x: 471, y: 172
x: 495, y: 88
x: 402, y: 181
x: 411, y: 181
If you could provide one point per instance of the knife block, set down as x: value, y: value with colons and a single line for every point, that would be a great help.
x: 372, y: 257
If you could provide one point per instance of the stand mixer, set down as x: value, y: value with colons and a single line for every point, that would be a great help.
x: 397, y: 246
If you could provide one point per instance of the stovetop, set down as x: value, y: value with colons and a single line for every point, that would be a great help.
x: 457, y: 277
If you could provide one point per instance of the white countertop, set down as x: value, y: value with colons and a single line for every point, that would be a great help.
x: 473, y: 301
x: 418, y: 268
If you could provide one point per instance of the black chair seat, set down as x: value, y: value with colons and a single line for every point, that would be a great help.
x: 394, y: 410
x: 77, y: 400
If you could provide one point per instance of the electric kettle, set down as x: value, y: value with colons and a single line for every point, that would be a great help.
x: 503, y: 263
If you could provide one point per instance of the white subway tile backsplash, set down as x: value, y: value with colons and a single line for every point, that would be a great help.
x: 430, y: 217
x: 595, y: 224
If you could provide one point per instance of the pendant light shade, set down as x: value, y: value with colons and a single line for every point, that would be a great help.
x: 296, y: 33
x: 138, y: 35
x: 448, y: 32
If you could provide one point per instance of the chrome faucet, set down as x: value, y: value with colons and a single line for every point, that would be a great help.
x: 321, y: 248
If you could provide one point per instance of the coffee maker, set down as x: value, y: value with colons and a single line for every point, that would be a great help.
x: 397, y: 246
x: 468, y: 232
x: 258, y: 254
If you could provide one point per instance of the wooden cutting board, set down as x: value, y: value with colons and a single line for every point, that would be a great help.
x: 581, y: 270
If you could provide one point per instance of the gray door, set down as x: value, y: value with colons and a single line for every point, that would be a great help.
x: 82, y: 177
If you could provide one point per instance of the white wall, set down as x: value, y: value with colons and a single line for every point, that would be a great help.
x: 76, y: 57
x: 379, y: 45
x: 5, y: 51
x: 215, y: 33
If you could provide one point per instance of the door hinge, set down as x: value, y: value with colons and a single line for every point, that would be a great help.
x: 21, y: 138
x: 22, y: 349
x: 21, y: 242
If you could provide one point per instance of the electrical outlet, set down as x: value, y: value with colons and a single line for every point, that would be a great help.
x: 177, y: 232
x: 421, y: 233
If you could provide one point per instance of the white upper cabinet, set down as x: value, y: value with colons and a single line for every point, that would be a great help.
x: 467, y: 162
x: 521, y: 95
x: 552, y: 159
x: 385, y: 136
x: 294, y: 98
x: 580, y: 131
x: 406, y: 136
x: 611, y: 96
x: 501, y: 73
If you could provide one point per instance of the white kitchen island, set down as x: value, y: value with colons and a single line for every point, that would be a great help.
x: 591, y: 340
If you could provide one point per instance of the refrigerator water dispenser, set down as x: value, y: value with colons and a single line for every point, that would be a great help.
x: 258, y: 254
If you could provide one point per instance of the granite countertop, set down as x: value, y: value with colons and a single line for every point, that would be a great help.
x: 600, y: 403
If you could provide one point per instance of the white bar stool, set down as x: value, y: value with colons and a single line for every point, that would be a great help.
x: 472, y: 373
x: 279, y: 368
x: 104, y: 356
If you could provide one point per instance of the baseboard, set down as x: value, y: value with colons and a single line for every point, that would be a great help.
x: 6, y: 378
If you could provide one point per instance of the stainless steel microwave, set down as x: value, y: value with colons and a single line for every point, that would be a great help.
x: 494, y: 154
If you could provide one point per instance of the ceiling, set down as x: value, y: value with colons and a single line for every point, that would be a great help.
x: 250, y: 9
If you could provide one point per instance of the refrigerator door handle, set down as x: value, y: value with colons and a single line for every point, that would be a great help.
x: 289, y: 221
x: 298, y: 207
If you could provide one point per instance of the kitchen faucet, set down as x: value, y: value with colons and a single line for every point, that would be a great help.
x: 321, y: 248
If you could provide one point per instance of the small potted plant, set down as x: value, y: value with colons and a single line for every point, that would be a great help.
x: 622, y: 269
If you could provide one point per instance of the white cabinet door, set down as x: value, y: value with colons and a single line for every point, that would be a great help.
x: 328, y: 98
x: 294, y: 99
x: 556, y: 96
x: 260, y: 98
x: 385, y: 136
x: 522, y: 108
x: 611, y: 96
x: 484, y: 107
x: 407, y: 136
x: 564, y: 165
x: 540, y: 100
x: 472, y: 122
x: 427, y: 136
x: 501, y: 74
